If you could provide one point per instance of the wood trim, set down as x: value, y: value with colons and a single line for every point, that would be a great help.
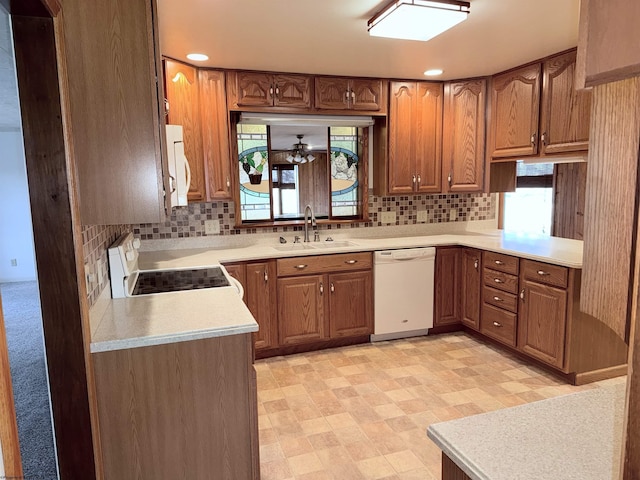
x: 52, y: 181
x: 8, y: 424
x: 601, y: 374
x: 451, y: 471
x: 312, y: 346
x: 33, y: 8
x: 500, y: 211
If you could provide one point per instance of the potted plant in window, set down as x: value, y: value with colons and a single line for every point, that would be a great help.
x: 253, y: 166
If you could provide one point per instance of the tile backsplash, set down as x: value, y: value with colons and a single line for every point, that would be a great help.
x: 188, y: 222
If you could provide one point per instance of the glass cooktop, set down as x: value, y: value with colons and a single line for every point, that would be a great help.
x: 163, y: 281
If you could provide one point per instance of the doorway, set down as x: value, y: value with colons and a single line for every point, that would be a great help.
x: 18, y: 285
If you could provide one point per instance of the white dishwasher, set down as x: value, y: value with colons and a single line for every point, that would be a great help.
x: 403, y: 292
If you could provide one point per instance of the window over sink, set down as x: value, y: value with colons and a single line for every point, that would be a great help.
x: 284, y: 168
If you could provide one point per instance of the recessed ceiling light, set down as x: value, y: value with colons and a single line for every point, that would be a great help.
x: 198, y: 57
x: 433, y: 72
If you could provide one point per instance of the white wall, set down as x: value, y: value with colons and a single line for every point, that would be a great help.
x: 16, y: 234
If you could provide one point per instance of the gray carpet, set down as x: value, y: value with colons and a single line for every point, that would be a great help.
x: 23, y: 322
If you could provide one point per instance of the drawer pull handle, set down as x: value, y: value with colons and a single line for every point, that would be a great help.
x: 351, y: 262
x: 302, y: 266
x: 497, y: 280
x: 321, y: 288
x: 497, y: 299
x: 542, y: 272
x: 266, y: 276
x: 476, y: 263
x: 499, y: 262
x: 497, y: 324
x: 522, y: 294
x: 332, y: 288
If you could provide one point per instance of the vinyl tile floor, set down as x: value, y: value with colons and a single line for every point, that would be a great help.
x: 361, y: 412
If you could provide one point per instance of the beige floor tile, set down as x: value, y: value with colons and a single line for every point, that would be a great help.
x: 277, y: 470
x: 404, y: 461
x: 362, y: 450
x: 376, y: 468
x: 340, y: 420
x: 305, y: 463
x: 389, y: 411
x: 315, y: 426
x: 334, y: 456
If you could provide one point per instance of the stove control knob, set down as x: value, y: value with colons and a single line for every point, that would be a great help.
x: 136, y: 243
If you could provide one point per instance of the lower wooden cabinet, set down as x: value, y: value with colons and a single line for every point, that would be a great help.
x: 470, y: 286
x: 447, y: 286
x: 350, y: 304
x: 301, y: 309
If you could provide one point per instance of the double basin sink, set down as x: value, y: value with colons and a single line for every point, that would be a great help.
x: 294, y: 247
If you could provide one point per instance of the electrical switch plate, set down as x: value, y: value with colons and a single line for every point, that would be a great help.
x: 14, y: 262
x: 388, y: 217
x: 421, y: 217
x: 89, y: 278
x: 211, y: 227
x: 99, y: 268
x: 453, y: 214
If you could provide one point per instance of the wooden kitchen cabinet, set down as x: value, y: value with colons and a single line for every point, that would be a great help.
x: 214, y: 121
x: 463, y: 140
x: 341, y: 93
x: 447, y: 286
x: 179, y: 410
x: 470, y: 286
x: 515, y: 110
x: 301, y: 309
x: 116, y: 110
x: 324, y: 298
x: 565, y: 112
x: 415, y: 138
x: 183, y: 97
x: 266, y: 89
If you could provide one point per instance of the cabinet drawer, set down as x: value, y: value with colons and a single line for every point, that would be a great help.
x: 503, y: 263
x: 500, y: 299
x: 324, y: 263
x: 545, y: 273
x: 501, y: 281
x: 498, y: 324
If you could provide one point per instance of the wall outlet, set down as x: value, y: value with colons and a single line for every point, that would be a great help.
x: 14, y: 262
x: 388, y: 217
x: 89, y: 276
x: 211, y: 227
x: 453, y: 214
x: 99, y: 268
x: 421, y: 217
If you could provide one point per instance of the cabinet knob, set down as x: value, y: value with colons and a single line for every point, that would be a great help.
x: 413, y: 179
x: 228, y: 182
x: 476, y: 263
x: 450, y: 178
x: 266, y: 277
x: 522, y: 294
x: 497, y: 324
x: 543, y: 138
x: 271, y: 90
x: 497, y: 299
x: 351, y: 262
x: 277, y: 91
x: 497, y: 280
x: 321, y: 288
x: 332, y: 288
x: 346, y: 96
x: 533, y: 138
x: 542, y: 273
x: 498, y: 262
x: 302, y: 266
x: 419, y: 180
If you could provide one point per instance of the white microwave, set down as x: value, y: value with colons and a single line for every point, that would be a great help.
x: 179, y: 171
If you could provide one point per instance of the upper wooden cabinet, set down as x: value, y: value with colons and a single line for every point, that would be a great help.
x: 214, y: 122
x: 515, y: 107
x: 258, y: 89
x: 415, y: 138
x: 181, y: 88
x: 463, y: 148
x: 565, y: 112
x: 116, y: 110
x: 362, y: 94
x: 536, y: 110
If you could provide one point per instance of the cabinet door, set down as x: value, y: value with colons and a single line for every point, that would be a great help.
x: 542, y: 321
x: 366, y: 94
x: 427, y: 155
x: 515, y: 107
x: 254, y: 89
x: 463, y: 139
x: 301, y: 309
x: 215, y: 134
x: 447, y: 285
x: 470, y: 285
x: 332, y: 93
x: 260, y: 297
x: 182, y: 93
x: 350, y: 308
x: 292, y: 91
x: 117, y: 120
x: 565, y: 114
x: 402, y: 177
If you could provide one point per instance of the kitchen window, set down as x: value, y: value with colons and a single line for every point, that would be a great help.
x: 529, y: 209
x: 274, y: 188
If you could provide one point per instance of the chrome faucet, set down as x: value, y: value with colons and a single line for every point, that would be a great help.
x: 308, y: 209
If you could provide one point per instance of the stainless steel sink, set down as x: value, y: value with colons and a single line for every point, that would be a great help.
x: 293, y: 247
x: 335, y: 244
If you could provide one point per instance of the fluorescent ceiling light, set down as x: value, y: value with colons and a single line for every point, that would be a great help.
x: 198, y: 57
x: 417, y: 19
x: 249, y: 118
x: 434, y: 72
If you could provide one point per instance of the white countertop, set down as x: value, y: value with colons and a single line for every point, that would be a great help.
x: 576, y: 436
x: 179, y: 316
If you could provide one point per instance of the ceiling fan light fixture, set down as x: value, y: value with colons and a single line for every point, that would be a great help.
x: 417, y: 19
x: 299, y: 152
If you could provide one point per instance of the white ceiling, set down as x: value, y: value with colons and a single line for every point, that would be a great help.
x: 330, y: 36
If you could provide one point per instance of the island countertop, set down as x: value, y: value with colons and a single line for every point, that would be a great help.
x: 576, y: 436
